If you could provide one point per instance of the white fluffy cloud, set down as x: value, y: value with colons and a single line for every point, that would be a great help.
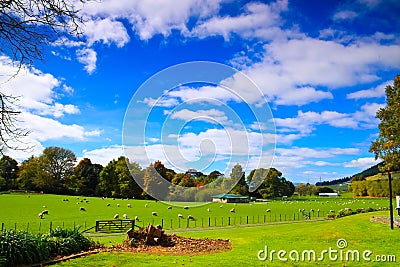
x: 306, y: 122
x: 361, y: 163
x: 211, y: 115
x: 378, y: 91
x: 257, y: 21
x: 106, y: 30
x: 88, y: 57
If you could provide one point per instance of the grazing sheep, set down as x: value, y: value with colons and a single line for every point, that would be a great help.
x: 170, y: 207
x: 180, y: 216
x: 332, y: 211
x: 268, y: 210
x: 82, y: 209
x: 45, y: 212
x: 108, y: 204
x: 125, y: 216
x: 129, y: 205
x: 318, y: 210
x: 154, y: 213
x: 232, y: 210
x: 221, y: 206
x: 146, y: 205
x: 190, y: 217
x: 136, y: 218
x: 40, y: 215
x: 311, y: 210
x: 118, y: 205
x: 116, y: 216
x: 186, y: 207
x: 208, y: 209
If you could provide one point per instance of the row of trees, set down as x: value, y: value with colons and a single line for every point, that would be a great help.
x: 55, y: 171
x: 374, y: 188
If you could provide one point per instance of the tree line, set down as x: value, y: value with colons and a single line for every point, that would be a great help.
x: 55, y: 171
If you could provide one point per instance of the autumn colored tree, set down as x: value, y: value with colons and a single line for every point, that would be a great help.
x: 387, y: 145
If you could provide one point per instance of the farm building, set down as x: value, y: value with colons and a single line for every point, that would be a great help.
x: 230, y: 198
x: 328, y: 194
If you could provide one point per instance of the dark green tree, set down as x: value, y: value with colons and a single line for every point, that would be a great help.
x: 85, y: 178
x: 241, y: 187
x: 9, y: 172
x: 59, y: 164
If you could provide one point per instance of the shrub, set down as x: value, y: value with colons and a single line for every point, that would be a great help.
x: 21, y: 247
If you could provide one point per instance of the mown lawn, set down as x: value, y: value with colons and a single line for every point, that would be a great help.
x: 21, y: 211
x: 357, y: 230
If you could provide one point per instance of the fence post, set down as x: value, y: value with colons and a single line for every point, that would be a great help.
x: 51, y: 226
x: 187, y: 225
x: 40, y: 226
x: 280, y: 217
x: 15, y: 226
x: 27, y: 228
x: 215, y: 221
x: 171, y: 223
x: 162, y: 223
x: 179, y: 223
x: 222, y: 221
x: 264, y: 217
x: 202, y: 223
x: 2, y: 226
x: 247, y: 219
x: 209, y: 221
x: 294, y: 216
x: 229, y: 221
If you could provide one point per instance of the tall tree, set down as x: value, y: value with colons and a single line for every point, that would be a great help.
x: 273, y: 184
x: 154, y: 185
x: 108, y: 183
x: 238, y: 176
x: 129, y: 175
x: 33, y: 177
x: 9, y: 172
x: 26, y: 28
x: 59, y: 164
x: 85, y: 178
x: 387, y: 145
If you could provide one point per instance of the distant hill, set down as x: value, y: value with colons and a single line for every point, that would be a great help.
x: 370, y: 171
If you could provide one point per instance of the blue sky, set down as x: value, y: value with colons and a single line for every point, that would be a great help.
x: 321, y: 66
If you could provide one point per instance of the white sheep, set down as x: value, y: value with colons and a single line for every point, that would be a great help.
x: 40, y: 215
x: 116, y: 216
x: 190, y: 217
x: 154, y: 213
x: 108, y: 204
x: 186, y: 207
x: 232, y: 210
x: 180, y: 216
x: 129, y: 205
x: 170, y: 207
x: 136, y: 218
x: 82, y: 209
x: 45, y: 212
x: 146, y: 205
x: 118, y: 205
x: 221, y: 206
x: 125, y: 216
x: 268, y: 210
x: 208, y: 209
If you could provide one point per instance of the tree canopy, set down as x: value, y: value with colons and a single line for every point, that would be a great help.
x: 387, y: 145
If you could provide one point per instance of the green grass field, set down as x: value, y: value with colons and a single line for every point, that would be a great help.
x: 247, y: 240
x: 357, y: 230
x: 17, y: 210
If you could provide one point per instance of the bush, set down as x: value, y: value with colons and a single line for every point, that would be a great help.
x: 24, y: 248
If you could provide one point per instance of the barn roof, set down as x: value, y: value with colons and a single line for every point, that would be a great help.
x: 228, y: 196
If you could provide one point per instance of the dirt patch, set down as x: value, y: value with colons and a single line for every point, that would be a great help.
x: 154, y: 240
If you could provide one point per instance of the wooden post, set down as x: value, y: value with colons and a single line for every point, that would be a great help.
x: 247, y: 219
x: 390, y: 200
x: 209, y: 221
x: 162, y: 223
x: 51, y: 226
x: 229, y: 221
x: 2, y: 226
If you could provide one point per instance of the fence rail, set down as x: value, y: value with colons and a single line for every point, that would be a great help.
x: 168, y: 224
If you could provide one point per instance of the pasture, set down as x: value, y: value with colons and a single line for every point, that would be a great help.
x: 357, y: 230
x: 17, y: 210
x: 20, y: 211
